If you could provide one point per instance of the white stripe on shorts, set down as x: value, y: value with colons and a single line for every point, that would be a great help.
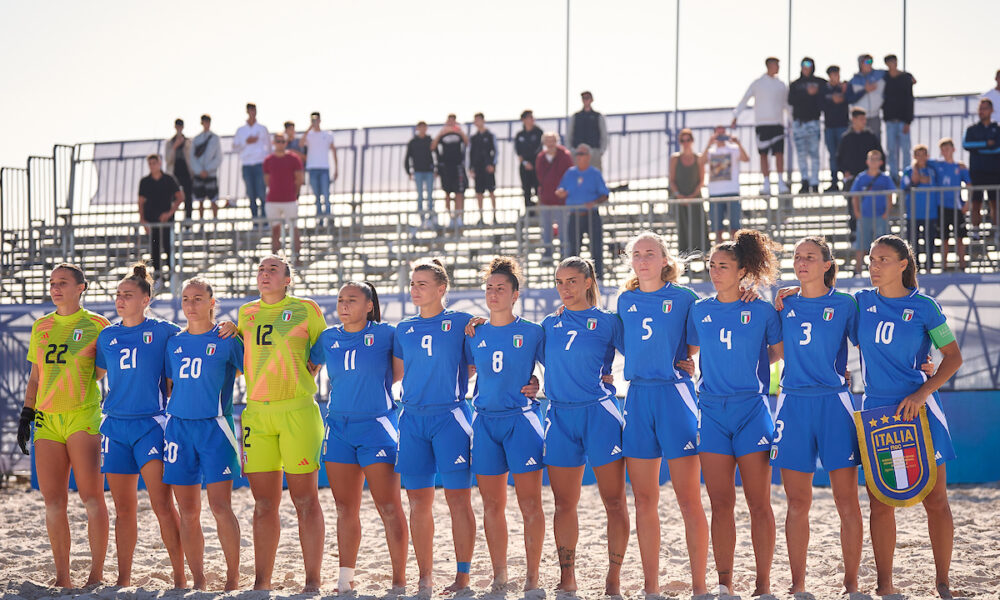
x: 767, y: 407
x: 460, y: 417
x: 781, y: 402
x: 535, y: 423
x: 226, y: 429
x: 689, y: 400
x: 845, y: 399
x: 387, y: 425
x: 937, y: 412
x: 161, y: 421
x: 611, y: 408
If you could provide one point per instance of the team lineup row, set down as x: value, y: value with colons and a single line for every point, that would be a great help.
x: 168, y: 412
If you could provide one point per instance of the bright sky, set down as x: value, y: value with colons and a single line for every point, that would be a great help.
x: 110, y: 70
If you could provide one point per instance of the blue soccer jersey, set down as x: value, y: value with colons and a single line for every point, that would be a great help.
x: 202, y: 369
x: 816, y: 332
x: 733, y: 338
x: 921, y: 205
x: 359, y: 365
x: 134, y: 360
x: 950, y: 174
x: 655, y: 332
x: 894, y: 335
x: 504, y: 358
x: 579, y: 348
x: 436, y: 376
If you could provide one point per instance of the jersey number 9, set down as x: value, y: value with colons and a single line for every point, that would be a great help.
x: 427, y: 343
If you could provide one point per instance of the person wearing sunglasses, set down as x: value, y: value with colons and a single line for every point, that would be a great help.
x: 687, y: 174
x: 806, y: 100
x: 868, y: 92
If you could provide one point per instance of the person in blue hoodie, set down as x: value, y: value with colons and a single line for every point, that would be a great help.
x: 868, y: 92
x: 921, y: 207
x: 982, y: 140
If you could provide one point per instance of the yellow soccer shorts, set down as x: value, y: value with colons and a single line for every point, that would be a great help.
x: 59, y: 426
x: 282, y: 435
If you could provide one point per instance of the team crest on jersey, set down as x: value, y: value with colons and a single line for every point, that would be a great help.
x: 518, y: 341
x: 668, y: 305
x: 908, y: 315
x: 286, y: 315
x: 77, y: 335
x: 591, y: 324
x: 897, y: 455
x: 369, y: 339
x: 745, y: 317
x: 446, y: 325
x: 827, y: 314
x: 147, y: 337
x: 210, y: 349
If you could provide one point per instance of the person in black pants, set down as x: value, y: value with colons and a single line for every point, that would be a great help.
x: 159, y: 198
x: 852, y: 152
x: 527, y: 145
x: 483, y: 164
x: 178, y: 148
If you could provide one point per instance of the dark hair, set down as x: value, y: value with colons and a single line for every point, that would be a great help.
x: 904, y: 252
x: 419, y: 123
x: 436, y: 267
x: 368, y: 289
x: 281, y: 259
x: 504, y: 265
x: 586, y: 93
x: 830, y: 275
x: 314, y: 114
x: 527, y: 113
x: 586, y: 268
x: 179, y: 121
x: 251, y: 105
x: 140, y: 275
x: 832, y: 69
x: 204, y: 284
x: 889, y: 57
x: 862, y: 58
x: 986, y: 101
x: 452, y: 116
x: 479, y: 115
x: 288, y: 124
x: 150, y: 157
x: 206, y: 118
x: 770, y: 59
x: 77, y: 272
x: 670, y: 272
x: 754, y: 251
x: 858, y: 112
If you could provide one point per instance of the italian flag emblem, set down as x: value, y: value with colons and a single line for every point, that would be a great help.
x: 828, y: 314
x: 900, y: 467
x: 286, y: 315
x: 446, y: 325
x: 745, y: 317
x: 369, y: 339
x: 668, y: 305
x: 591, y: 324
x: 518, y: 341
x: 147, y: 337
x: 77, y: 335
x: 210, y: 349
x: 908, y: 315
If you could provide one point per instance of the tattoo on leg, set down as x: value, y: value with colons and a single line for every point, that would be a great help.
x: 567, y: 556
x: 616, y: 558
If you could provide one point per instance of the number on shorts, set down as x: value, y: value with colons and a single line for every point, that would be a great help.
x: 883, y: 332
x: 105, y: 444
x: 427, y: 343
x: 246, y: 436
x: 498, y: 361
x: 55, y: 354
x: 726, y: 337
x: 170, y: 452
x: 349, y: 357
x: 779, y: 427
x: 647, y: 328
x: 807, y: 329
x: 190, y: 368
x: 572, y: 336
x: 128, y: 358
x: 264, y: 335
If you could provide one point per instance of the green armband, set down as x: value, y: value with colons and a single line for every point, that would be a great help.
x: 942, y: 335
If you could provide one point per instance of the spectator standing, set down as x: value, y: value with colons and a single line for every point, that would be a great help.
x: 159, y: 197
x: 483, y: 163
x: 253, y: 143
x: 770, y: 97
x: 806, y: 96
x: 582, y: 188
x: 870, y: 210
x: 952, y: 209
x: 993, y: 96
x: 921, y: 206
x: 176, y: 159
x: 283, y: 175
x: 204, y: 161
x: 319, y: 145
x: 982, y: 140
x: 449, y: 145
x: 852, y: 156
x: 588, y: 127
x: 294, y: 144
x: 687, y: 174
x: 868, y: 92
x: 723, y: 156
x: 835, y: 120
x: 419, y: 165
x: 550, y: 166
x: 527, y: 145
x: 897, y: 111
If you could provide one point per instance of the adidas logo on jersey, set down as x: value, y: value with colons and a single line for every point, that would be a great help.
x: 616, y: 450
x: 381, y: 453
x: 557, y: 325
x: 460, y: 460
x: 707, y: 319
x: 335, y: 346
x: 872, y: 309
x: 482, y: 344
x: 410, y: 330
x: 937, y: 456
x: 227, y: 471
x: 763, y: 442
x: 531, y: 462
x: 632, y: 308
x: 851, y: 457
x: 178, y: 350
x: 152, y: 451
x: 790, y: 314
x: 689, y: 446
x: 113, y: 342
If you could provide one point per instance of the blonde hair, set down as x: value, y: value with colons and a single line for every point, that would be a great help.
x: 670, y: 272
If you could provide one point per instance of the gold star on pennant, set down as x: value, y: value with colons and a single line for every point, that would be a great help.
x: 885, y: 419
x: 897, y: 418
x: 873, y: 422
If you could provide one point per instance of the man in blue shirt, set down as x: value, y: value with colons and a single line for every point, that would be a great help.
x: 982, y: 140
x: 583, y: 188
x: 921, y: 206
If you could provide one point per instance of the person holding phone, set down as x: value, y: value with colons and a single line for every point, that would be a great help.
x: 723, y: 155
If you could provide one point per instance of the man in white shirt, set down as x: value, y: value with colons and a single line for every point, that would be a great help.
x: 770, y: 96
x: 994, y: 97
x: 723, y: 156
x: 253, y: 143
x: 318, y: 145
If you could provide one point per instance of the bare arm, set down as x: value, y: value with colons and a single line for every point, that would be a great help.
x: 397, y: 369
x: 951, y: 360
x: 776, y: 352
x: 299, y: 178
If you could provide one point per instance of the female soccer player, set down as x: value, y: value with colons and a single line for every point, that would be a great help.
x: 507, y: 426
x: 738, y: 340
x: 63, y: 401
x: 661, y: 413
x: 897, y: 325
x: 200, y: 438
x: 583, y: 423
x: 282, y: 425
x: 815, y: 415
x: 132, y: 353
x: 361, y: 426
x: 434, y: 426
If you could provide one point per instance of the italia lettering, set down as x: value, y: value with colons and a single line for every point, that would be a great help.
x: 893, y: 438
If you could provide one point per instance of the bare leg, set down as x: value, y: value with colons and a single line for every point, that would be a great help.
x: 463, y: 530
x: 845, y: 494
x: 162, y: 503
x: 798, y: 490
x: 644, y: 473
x: 304, y: 490
x: 422, y: 534
x: 611, y: 486
x: 192, y: 540
x: 755, y: 471
x: 565, y: 483
x: 266, y: 490
x: 123, y: 492
x: 52, y: 463
x: 493, y: 490
x: 882, y: 525
x: 720, y: 481
x: 685, y: 476
x: 528, y: 487
x: 220, y: 496
x: 275, y: 238
x: 941, y: 529
x: 383, y: 483
x: 85, y: 457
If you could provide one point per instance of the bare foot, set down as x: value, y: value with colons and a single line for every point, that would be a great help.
x: 850, y: 586
x: 232, y: 584
x: 123, y: 581
x: 944, y: 590
x: 460, y: 584
x: 531, y: 583
x: 396, y: 591
x: 200, y: 583
x: 94, y: 580
x: 567, y: 583
x: 262, y: 585
x: 425, y: 587
x: 310, y: 588
x: 796, y: 588
x: 885, y: 590
x: 612, y: 587
x: 763, y: 587
x: 180, y: 581
x: 499, y: 582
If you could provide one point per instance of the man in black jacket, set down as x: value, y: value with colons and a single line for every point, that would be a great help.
x: 588, y: 127
x: 835, y: 120
x: 897, y: 113
x: 419, y: 165
x: 527, y: 145
x: 805, y: 96
x: 853, y: 154
x: 483, y: 163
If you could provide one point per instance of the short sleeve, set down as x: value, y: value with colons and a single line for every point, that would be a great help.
x: 317, y: 353
x: 540, y: 346
x: 907, y: 178
x: 618, y: 334
x: 236, y: 353
x: 240, y: 323
x: 857, y: 185
x: 298, y: 161
x: 601, y: 188
x: 397, y: 348
x: 99, y: 361
x: 936, y: 324
x: 316, y: 322
x: 692, y: 330
x: 267, y: 166
x: 853, y: 316
x: 172, y: 184
x: 32, y: 344
x: 964, y: 174
x: 167, y: 370
x: 773, y: 333
x: 565, y: 178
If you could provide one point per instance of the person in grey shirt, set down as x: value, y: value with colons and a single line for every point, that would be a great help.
x: 204, y: 158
